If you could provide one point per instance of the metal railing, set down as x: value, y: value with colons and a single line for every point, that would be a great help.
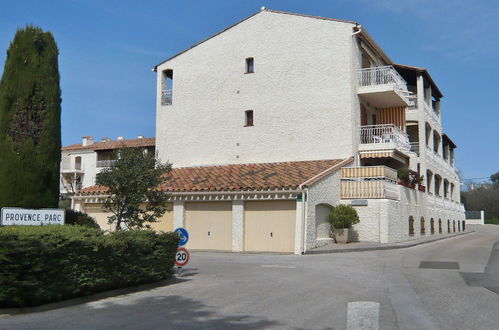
x: 385, y: 133
x: 105, y: 163
x: 413, y: 102
x: 166, y: 97
x: 415, y: 147
x: 381, y: 75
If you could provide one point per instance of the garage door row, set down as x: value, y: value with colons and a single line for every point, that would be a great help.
x: 268, y: 226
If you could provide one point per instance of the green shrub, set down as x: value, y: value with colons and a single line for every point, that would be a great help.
x: 342, y: 217
x: 81, y: 219
x: 50, y: 263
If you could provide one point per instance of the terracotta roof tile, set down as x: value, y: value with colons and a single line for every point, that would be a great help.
x: 113, y: 144
x: 242, y: 177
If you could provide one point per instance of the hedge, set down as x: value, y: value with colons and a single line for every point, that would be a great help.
x: 49, y: 263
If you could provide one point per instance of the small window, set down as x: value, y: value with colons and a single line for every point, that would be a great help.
x: 250, y: 65
x: 249, y: 118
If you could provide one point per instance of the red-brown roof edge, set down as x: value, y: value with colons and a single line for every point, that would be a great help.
x: 424, y: 72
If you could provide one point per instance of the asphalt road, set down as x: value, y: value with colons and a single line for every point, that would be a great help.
x: 448, y: 284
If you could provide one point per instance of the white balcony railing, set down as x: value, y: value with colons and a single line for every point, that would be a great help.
x: 105, y: 163
x: 166, y: 97
x: 413, y: 102
x: 381, y: 75
x: 385, y: 133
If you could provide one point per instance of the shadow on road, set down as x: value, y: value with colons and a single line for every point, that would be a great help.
x: 489, y: 279
x: 163, y: 312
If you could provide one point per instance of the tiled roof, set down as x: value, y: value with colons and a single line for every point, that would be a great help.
x: 113, y: 144
x: 242, y: 177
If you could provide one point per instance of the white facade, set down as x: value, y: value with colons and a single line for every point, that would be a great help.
x: 301, y: 89
x: 80, y: 163
x: 321, y: 89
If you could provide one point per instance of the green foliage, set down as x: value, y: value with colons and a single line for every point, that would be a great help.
x: 80, y: 219
x: 403, y: 174
x: 343, y: 216
x: 30, y: 122
x: 484, y: 197
x: 132, y: 180
x: 50, y: 263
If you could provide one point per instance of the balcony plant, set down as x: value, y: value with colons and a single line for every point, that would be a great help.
x: 342, y: 218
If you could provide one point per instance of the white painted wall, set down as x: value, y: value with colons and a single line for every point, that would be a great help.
x: 88, y: 165
x: 387, y: 221
x: 301, y: 94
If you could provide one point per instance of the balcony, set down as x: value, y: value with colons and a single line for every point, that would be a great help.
x: 166, y: 97
x: 369, y: 182
x: 69, y: 166
x: 382, y: 87
x: 430, y: 112
x: 105, y: 163
x: 382, y: 137
x: 415, y: 147
x: 413, y: 102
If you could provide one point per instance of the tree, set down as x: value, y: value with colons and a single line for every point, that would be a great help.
x: 495, y: 180
x: 133, y: 181
x: 30, y: 121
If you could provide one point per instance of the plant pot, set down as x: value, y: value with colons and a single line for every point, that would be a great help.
x: 342, y: 236
x: 421, y: 188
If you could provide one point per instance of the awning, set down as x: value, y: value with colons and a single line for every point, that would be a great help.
x: 395, y: 154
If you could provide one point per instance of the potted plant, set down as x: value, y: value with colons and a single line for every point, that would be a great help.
x: 342, y: 218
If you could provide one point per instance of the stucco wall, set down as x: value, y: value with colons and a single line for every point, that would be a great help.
x: 325, y: 192
x: 301, y: 94
x: 387, y: 221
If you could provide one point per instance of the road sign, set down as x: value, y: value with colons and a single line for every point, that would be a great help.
x: 182, y: 257
x: 29, y: 217
x: 184, y: 236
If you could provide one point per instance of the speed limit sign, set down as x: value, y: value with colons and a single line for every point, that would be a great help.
x: 182, y: 257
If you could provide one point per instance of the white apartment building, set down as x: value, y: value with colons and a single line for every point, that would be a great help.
x: 81, y: 162
x: 280, y: 116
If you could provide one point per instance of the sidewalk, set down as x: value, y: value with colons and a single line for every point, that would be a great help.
x: 371, y: 246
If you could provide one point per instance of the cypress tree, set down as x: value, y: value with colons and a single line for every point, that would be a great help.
x: 30, y: 121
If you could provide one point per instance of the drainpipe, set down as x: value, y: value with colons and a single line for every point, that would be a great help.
x: 304, y: 194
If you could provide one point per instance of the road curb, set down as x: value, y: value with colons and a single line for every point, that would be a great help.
x: 384, y: 247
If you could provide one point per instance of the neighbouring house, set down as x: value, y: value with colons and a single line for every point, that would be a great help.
x: 277, y: 118
x: 81, y: 162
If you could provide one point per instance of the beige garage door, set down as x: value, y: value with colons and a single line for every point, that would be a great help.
x: 270, y: 226
x: 209, y: 225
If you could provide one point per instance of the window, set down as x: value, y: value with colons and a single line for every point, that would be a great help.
x: 432, y: 226
x: 423, y: 229
x: 411, y: 226
x: 167, y: 88
x: 439, y: 226
x: 249, y: 118
x: 250, y: 65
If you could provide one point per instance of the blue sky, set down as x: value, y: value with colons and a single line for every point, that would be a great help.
x: 108, y: 48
